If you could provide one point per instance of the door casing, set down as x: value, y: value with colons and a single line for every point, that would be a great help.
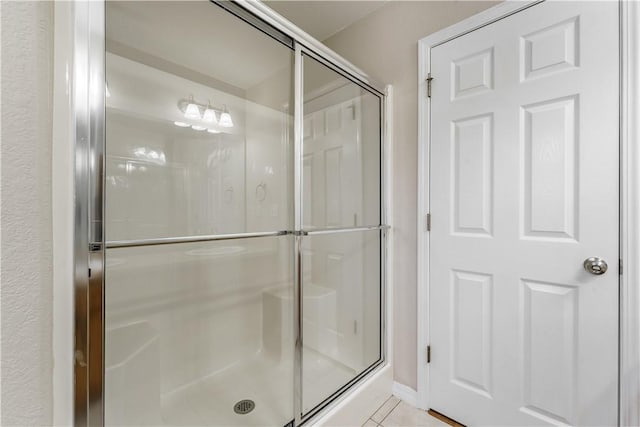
x: 629, y: 238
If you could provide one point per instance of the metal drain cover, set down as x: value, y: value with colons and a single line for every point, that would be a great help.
x: 244, y: 406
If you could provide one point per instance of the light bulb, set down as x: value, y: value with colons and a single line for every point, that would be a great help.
x: 196, y: 127
x: 181, y: 124
x: 192, y: 111
x: 225, y: 119
x: 209, y: 115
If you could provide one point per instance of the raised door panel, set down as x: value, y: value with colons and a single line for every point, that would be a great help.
x: 472, y: 74
x: 471, y: 331
x: 472, y: 174
x: 550, y: 169
x: 550, y: 50
x: 549, y: 350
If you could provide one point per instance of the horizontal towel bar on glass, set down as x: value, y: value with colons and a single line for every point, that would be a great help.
x: 332, y: 230
x: 209, y: 238
x: 191, y: 239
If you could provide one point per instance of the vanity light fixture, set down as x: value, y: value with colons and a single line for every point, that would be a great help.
x: 209, y: 115
x: 181, y: 124
x: 213, y: 131
x: 192, y: 111
x: 225, y: 119
x: 196, y: 127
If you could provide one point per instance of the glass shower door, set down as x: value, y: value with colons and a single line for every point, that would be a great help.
x: 198, y: 274
x: 342, y: 234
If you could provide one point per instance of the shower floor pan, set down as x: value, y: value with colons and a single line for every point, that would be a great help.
x: 267, y: 382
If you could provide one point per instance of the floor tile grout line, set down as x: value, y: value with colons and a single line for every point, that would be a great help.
x: 373, y: 421
x: 380, y: 407
x: 383, y: 403
x: 392, y: 409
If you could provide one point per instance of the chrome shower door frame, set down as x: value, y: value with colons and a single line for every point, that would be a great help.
x: 337, y: 64
x: 88, y: 115
x: 87, y: 110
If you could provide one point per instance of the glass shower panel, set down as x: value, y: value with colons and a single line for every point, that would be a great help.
x: 341, y: 151
x: 340, y: 310
x: 197, y: 144
x: 198, y: 123
x: 195, y: 328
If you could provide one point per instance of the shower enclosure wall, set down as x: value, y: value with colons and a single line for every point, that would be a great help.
x: 230, y: 231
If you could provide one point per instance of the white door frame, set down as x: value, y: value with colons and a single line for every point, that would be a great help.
x: 629, y: 381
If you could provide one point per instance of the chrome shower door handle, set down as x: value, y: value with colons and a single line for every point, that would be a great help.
x: 595, y: 265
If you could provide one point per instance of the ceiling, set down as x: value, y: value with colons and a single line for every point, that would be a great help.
x: 323, y: 19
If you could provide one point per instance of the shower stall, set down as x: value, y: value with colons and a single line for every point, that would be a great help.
x: 230, y: 226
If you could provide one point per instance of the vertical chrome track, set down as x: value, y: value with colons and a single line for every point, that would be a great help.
x: 81, y: 229
x: 88, y: 111
x: 384, y: 233
x: 297, y: 220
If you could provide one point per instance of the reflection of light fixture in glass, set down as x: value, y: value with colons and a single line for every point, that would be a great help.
x: 106, y: 90
x: 181, y: 124
x: 196, y: 127
x: 150, y: 155
x: 225, y: 119
x: 213, y: 131
x: 192, y: 111
x: 209, y: 115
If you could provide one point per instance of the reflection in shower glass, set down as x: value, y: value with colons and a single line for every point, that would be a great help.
x: 341, y: 311
x: 198, y: 128
x: 341, y: 150
x: 175, y: 70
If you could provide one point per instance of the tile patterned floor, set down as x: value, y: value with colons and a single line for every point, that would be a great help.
x: 396, y: 413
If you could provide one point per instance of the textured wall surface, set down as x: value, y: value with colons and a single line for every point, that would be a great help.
x: 25, y: 213
x: 385, y: 45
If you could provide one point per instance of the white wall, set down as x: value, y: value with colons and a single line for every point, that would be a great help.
x: 25, y: 213
x: 384, y: 44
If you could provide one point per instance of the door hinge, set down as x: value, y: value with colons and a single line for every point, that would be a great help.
x: 428, y: 354
x: 620, y: 267
x: 427, y: 222
x: 429, y: 79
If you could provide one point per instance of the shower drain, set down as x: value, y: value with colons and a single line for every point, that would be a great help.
x: 244, y: 406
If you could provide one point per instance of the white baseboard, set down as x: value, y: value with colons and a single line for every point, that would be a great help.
x: 405, y: 393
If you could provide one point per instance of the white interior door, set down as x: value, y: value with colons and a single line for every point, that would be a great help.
x: 523, y: 189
